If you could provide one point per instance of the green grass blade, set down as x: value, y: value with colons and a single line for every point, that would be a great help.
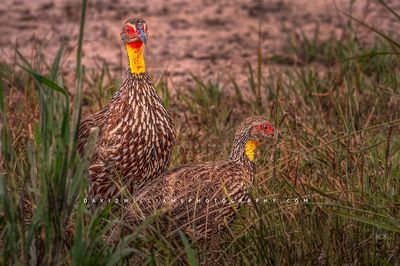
x: 189, y: 250
x: 380, y: 33
x: 385, y: 226
x: 80, y: 42
x: 45, y: 81
x: 56, y: 63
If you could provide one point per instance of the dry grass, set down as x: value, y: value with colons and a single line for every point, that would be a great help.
x: 340, y: 150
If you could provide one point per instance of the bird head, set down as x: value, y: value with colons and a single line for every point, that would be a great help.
x: 261, y: 130
x: 255, y: 128
x: 134, y: 32
x: 251, y: 131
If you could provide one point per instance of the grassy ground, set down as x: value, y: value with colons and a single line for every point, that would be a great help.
x: 338, y: 110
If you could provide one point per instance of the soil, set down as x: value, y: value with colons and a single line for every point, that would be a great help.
x: 209, y: 38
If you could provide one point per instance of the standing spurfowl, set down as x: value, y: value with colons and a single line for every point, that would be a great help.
x: 136, y: 132
x: 200, y: 198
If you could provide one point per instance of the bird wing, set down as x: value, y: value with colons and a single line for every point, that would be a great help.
x: 193, y: 195
x: 87, y: 124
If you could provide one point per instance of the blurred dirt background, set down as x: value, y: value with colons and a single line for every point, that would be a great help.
x: 208, y: 38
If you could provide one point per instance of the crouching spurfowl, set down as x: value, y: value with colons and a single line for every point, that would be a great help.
x: 201, y: 198
x: 136, y: 132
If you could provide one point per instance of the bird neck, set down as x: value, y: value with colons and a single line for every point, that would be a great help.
x: 136, y: 59
x: 249, y: 149
x: 243, y: 151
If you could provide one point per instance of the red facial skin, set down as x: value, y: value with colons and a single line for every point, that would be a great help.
x: 130, y: 31
x: 266, y: 128
x: 135, y: 45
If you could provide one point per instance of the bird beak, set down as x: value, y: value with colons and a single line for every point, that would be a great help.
x: 142, y: 36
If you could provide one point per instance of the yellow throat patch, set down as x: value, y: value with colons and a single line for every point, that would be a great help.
x: 136, y: 59
x: 250, y: 148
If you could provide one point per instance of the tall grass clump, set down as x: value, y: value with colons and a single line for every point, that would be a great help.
x: 43, y: 176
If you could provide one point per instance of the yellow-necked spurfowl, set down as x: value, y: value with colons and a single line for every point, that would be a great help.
x: 200, y: 198
x: 136, y: 132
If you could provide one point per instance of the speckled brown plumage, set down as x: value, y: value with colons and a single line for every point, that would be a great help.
x: 215, y: 181
x: 136, y: 132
